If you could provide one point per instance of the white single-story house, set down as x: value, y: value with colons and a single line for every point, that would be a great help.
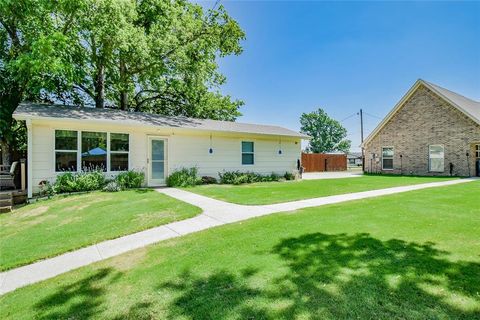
x: 65, y: 138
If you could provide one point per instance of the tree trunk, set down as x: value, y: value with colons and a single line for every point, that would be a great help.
x: 100, y: 87
x: 5, y: 152
x: 123, y: 90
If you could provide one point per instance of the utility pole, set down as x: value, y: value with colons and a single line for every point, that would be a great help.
x: 361, y: 136
x: 361, y: 124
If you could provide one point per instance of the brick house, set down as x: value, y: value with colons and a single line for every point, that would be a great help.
x: 431, y: 131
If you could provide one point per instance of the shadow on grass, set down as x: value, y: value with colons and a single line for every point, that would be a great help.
x: 357, y: 276
x: 79, y: 300
x: 339, y: 277
x: 317, y: 276
x: 144, y: 190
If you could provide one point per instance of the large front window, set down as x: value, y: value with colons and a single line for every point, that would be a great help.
x: 436, y: 158
x: 94, y: 151
x: 66, y: 146
x: 247, y: 152
x: 88, y: 150
x: 387, y: 158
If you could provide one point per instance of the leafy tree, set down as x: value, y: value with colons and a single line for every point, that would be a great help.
x: 34, y: 55
x: 143, y: 55
x: 327, y: 134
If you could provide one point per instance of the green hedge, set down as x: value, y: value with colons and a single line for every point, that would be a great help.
x: 184, y: 177
x: 69, y: 182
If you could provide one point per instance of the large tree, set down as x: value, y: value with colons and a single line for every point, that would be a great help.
x: 144, y: 55
x: 327, y: 134
x: 34, y: 58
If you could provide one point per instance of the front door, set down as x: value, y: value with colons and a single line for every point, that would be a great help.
x: 157, y: 161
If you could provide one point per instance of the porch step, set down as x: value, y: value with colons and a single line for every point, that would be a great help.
x: 5, y: 209
x: 6, y: 202
x: 6, y: 195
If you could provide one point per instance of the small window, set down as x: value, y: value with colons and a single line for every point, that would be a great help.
x: 436, y: 158
x: 247, y: 152
x: 119, y: 149
x: 94, y: 151
x: 66, y: 145
x: 387, y: 158
x: 477, y: 151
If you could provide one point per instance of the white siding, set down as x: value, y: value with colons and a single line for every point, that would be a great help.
x: 185, y: 149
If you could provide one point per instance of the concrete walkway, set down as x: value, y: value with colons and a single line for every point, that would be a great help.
x: 215, y: 213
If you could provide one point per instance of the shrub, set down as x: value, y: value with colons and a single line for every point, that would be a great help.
x: 66, y: 182
x: 130, y: 179
x: 77, y: 182
x: 289, y: 176
x: 208, y: 180
x: 112, y: 186
x: 185, y: 177
x: 89, y: 181
x: 237, y: 177
x: 46, y: 189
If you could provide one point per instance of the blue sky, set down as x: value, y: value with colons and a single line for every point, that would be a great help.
x: 343, y: 56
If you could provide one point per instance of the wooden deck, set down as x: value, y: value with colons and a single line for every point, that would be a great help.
x: 9, y: 198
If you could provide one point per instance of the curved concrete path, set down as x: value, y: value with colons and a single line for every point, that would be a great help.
x: 215, y: 213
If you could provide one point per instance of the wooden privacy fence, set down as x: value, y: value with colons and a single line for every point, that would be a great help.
x: 318, y: 162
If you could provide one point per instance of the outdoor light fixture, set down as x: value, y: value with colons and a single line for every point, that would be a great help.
x: 210, y: 150
x: 280, y: 146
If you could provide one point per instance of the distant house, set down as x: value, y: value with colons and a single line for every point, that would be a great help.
x: 431, y: 131
x: 354, y: 159
x: 62, y: 138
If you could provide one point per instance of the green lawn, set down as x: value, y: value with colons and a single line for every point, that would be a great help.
x: 64, y: 223
x: 413, y: 255
x: 275, y: 192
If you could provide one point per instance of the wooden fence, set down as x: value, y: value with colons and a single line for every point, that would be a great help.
x: 318, y: 162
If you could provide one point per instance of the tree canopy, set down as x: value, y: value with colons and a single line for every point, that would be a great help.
x: 142, y: 55
x: 327, y: 134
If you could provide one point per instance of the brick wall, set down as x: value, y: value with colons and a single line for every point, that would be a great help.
x: 426, y: 119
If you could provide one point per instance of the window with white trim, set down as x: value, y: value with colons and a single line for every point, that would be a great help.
x: 119, y: 150
x: 94, y: 151
x: 66, y: 150
x: 436, y: 158
x: 247, y: 153
x: 387, y: 158
x: 477, y: 151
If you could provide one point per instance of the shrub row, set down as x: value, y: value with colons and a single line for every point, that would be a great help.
x: 187, y: 177
x: 69, y: 182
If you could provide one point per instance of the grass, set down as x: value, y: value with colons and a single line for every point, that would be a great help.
x: 413, y: 255
x: 275, y: 192
x: 51, y: 227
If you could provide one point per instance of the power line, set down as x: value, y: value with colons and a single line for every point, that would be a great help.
x: 371, y: 115
x: 352, y: 115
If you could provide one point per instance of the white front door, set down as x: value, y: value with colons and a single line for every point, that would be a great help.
x: 157, y: 163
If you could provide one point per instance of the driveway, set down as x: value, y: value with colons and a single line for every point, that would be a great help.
x: 331, y: 175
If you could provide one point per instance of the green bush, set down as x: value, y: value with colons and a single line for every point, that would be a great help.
x: 208, y: 180
x: 112, y: 186
x: 130, y: 179
x: 77, y: 182
x: 90, y: 181
x: 66, y: 182
x: 185, y: 177
x: 289, y: 176
x: 237, y: 177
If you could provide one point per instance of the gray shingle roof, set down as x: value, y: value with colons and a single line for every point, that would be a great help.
x: 35, y: 111
x: 468, y: 106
